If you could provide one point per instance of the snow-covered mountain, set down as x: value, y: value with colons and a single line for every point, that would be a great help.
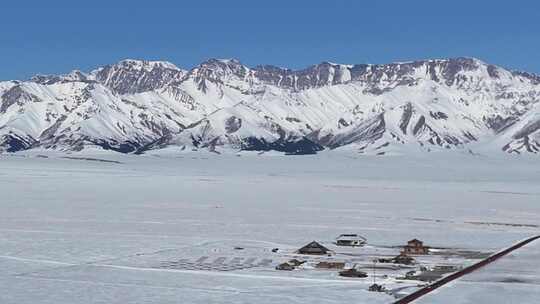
x: 461, y: 104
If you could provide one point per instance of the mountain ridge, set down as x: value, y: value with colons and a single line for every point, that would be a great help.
x: 135, y: 105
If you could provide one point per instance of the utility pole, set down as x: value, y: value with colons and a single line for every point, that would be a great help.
x: 374, y: 265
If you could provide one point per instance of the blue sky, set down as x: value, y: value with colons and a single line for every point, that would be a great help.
x: 58, y: 36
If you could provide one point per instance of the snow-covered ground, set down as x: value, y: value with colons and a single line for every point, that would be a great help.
x: 163, y: 227
x: 512, y: 279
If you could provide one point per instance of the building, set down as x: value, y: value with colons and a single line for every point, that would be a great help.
x: 330, y: 265
x: 285, y: 266
x: 403, y: 259
x: 353, y: 273
x: 296, y: 262
x: 445, y: 268
x: 385, y: 260
x: 314, y: 248
x: 350, y: 240
x: 415, y: 247
x: 377, y: 288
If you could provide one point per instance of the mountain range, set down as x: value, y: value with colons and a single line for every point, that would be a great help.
x: 460, y: 104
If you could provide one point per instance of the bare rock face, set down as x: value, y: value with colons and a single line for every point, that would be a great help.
x: 135, y: 76
x: 12, y: 142
x: 312, y: 77
x: 136, y: 105
x: 233, y: 124
x: 532, y: 77
x: 499, y: 123
x: 16, y: 95
x: 406, y: 117
x: 376, y: 77
x: 218, y: 71
x: 524, y: 144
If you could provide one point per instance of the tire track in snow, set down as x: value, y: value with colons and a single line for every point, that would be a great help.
x: 197, y: 272
x: 229, y: 274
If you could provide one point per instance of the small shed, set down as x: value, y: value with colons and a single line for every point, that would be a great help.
x: 285, y: 266
x: 314, y: 248
x: 353, y: 273
x: 385, y: 260
x: 377, y: 288
x: 350, y: 240
x: 415, y: 246
x: 403, y: 259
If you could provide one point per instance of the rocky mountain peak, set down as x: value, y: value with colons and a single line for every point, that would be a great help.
x: 146, y: 65
x: 534, y: 78
x: 73, y: 76
x: 318, y: 75
x: 327, y: 73
x: 218, y: 71
x: 214, y: 69
x: 135, y: 76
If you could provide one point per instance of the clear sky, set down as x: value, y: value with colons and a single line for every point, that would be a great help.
x: 58, y: 36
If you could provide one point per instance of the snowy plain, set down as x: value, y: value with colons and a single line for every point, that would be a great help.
x: 77, y: 229
x: 513, y: 279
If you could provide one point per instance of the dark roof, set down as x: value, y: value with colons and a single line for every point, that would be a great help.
x: 353, y: 273
x: 351, y: 237
x: 403, y: 257
x: 313, y: 248
x: 296, y: 262
x: 285, y: 266
x: 415, y: 241
x: 403, y: 260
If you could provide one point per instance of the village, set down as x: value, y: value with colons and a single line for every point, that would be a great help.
x: 361, y: 268
x: 395, y: 270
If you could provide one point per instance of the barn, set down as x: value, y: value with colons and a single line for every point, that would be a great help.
x: 314, y: 248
